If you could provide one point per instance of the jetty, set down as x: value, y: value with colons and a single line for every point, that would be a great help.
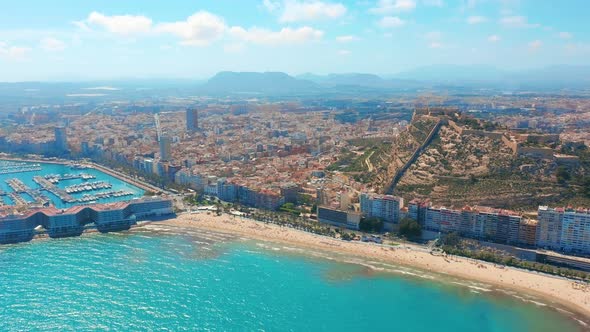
x: 17, y: 199
x: 17, y: 185
x: 20, y: 187
x: 55, y: 178
x: 90, y: 186
x: 52, y: 188
x: 10, y: 167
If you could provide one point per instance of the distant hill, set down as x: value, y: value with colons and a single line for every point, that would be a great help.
x: 563, y: 76
x: 257, y: 83
x: 361, y: 80
x: 345, y: 79
x: 447, y: 78
x: 453, y: 73
x: 551, y: 77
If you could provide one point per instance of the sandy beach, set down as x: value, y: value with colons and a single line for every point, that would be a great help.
x: 557, y: 290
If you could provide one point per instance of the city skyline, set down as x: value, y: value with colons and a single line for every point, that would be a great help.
x: 111, y: 40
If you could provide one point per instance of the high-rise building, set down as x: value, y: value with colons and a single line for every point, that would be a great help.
x: 84, y: 148
x: 192, y: 119
x: 527, y: 233
x: 322, y: 196
x: 61, y: 139
x: 227, y: 191
x: 477, y: 222
x: 564, y: 229
x: 417, y: 210
x: 165, y: 148
x: 290, y: 192
x: 575, y: 231
x: 385, y: 207
x: 549, y: 227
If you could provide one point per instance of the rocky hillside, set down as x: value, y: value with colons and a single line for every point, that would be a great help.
x: 456, y: 170
x: 375, y: 162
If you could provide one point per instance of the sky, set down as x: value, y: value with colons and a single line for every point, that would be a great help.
x: 79, y: 40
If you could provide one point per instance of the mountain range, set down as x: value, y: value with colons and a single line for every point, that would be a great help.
x: 440, y: 76
x: 447, y: 78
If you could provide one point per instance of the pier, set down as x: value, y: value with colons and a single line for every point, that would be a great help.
x: 55, y: 178
x: 17, y: 199
x: 10, y: 167
x: 82, y: 187
x: 19, y: 170
x: 20, y: 188
x: 47, y: 185
x: 108, y: 194
x: 17, y: 185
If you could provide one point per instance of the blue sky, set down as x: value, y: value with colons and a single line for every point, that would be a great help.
x: 108, y: 39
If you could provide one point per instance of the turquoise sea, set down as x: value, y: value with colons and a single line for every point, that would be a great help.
x: 156, y: 278
x: 47, y: 169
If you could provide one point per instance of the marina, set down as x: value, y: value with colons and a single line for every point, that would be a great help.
x: 90, y: 198
x: 12, y: 167
x: 62, y: 194
x: 77, y: 188
x: 23, y: 195
x: 55, y: 178
x: 33, y: 184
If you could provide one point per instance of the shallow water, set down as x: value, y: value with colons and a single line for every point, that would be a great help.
x: 159, y: 278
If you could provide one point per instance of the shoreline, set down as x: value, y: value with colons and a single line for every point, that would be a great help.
x: 555, y: 290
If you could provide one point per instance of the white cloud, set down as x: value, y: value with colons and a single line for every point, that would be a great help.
x: 52, y: 44
x: 344, y: 52
x: 13, y: 52
x: 476, y: 19
x: 385, y: 7
x: 199, y: 29
x: 125, y: 25
x: 565, y: 35
x: 297, y: 11
x: 494, y: 38
x: 81, y: 25
x: 283, y: 36
x: 271, y: 6
x: 535, y: 45
x: 517, y: 22
x: 391, y: 22
x: 435, y: 45
x: 202, y: 28
x: 346, y: 39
